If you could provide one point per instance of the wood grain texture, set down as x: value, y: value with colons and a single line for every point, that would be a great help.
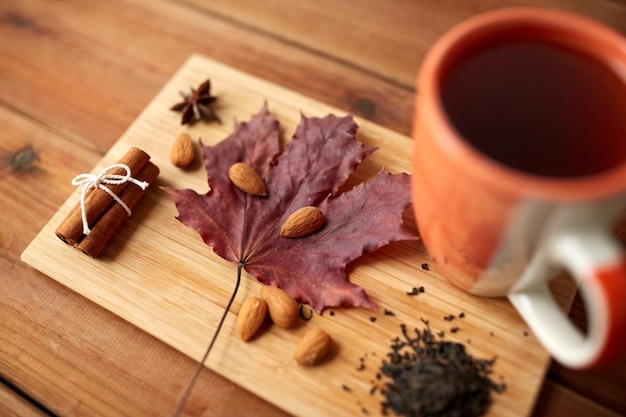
x: 387, y: 38
x: 12, y: 404
x: 63, y: 51
x: 57, y: 346
x: 565, y: 402
x: 151, y: 274
x: 74, y: 75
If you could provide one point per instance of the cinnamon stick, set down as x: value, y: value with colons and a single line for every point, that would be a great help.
x: 97, y: 200
x: 111, y: 220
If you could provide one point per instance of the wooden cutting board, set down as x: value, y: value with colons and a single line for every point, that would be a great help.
x: 159, y: 275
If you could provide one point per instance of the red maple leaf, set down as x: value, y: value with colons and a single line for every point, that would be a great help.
x: 245, y: 229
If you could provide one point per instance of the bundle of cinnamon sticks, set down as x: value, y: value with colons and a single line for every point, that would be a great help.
x: 103, y: 214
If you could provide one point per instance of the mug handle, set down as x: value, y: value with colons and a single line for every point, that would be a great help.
x: 597, y: 262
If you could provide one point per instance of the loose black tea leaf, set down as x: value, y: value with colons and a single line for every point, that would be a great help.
x: 431, y: 377
x: 425, y: 267
x: 413, y: 291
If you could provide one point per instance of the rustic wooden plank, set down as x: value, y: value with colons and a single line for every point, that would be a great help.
x: 58, y: 347
x: 52, y: 48
x: 558, y: 401
x: 387, y: 38
x: 174, y: 301
x: 36, y: 171
x: 93, y: 66
x: 12, y: 404
x: 604, y: 385
x: 79, y: 359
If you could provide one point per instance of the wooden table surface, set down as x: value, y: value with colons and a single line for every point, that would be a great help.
x: 75, y: 74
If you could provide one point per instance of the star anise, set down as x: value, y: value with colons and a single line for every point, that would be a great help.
x: 197, y: 105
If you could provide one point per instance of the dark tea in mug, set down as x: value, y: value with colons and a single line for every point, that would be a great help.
x: 519, y: 169
x: 539, y: 106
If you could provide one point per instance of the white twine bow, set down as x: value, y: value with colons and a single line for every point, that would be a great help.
x: 98, y: 181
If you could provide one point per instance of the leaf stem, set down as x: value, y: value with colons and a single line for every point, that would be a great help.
x: 196, y: 374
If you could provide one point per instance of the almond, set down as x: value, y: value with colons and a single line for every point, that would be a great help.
x: 182, y: 152
x: 283, y: 308
x: 303, y: 222
x: 251, y: 316
x: 313, y: 346
x: 247, y: 179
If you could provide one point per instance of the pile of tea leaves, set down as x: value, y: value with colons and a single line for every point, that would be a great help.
x: 432, y: 377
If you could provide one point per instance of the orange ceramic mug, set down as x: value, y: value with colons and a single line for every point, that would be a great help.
x: 520, y: 168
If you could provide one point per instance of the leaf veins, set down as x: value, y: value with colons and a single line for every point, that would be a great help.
x: 318, y: 160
